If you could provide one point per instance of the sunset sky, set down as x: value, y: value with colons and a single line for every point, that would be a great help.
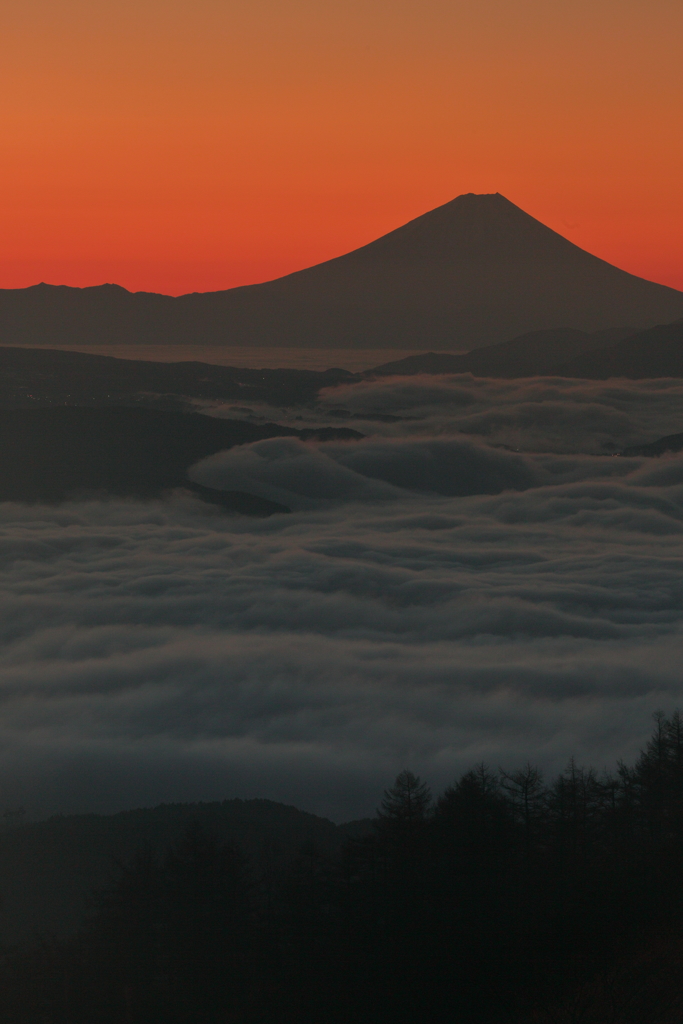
x: 188, y: 146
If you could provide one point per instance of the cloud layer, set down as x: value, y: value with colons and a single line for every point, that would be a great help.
x: 310, y: 476
x: 430, y: 603
x: 539, y: 414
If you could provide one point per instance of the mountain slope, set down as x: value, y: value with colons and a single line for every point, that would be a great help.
x: 473, y: 272
x: 657, y: 352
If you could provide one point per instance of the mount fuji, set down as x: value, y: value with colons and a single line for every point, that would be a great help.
x: 473, y: 272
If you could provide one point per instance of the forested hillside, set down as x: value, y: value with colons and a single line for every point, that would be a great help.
x: 505, y: 899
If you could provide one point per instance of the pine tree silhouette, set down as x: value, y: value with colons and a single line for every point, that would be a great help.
x: 406, y: 803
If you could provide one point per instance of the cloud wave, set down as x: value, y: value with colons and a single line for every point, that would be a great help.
x: 541, y: 414
x: 165, y: 650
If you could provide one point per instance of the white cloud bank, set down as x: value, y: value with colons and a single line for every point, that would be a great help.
x: 403, y: 617
x: 537, y: 414
x: 433, y: 601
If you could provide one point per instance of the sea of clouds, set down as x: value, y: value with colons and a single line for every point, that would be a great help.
x: 539, y: 414
x: 434, y: 600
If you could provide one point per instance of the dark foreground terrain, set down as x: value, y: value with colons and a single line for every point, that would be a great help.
x: 507, y: 899
x: 52, y: 454
x: 49, y: 870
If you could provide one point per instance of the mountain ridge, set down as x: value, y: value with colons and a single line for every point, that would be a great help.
x: 657, y: 352
x: 473, y: 272
x: 535, y: 354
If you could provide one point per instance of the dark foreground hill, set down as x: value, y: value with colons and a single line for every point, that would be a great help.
x: 49, y: 870
x: 53, y: 454
x: 472, y: 272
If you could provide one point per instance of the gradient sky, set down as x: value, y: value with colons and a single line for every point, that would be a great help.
x: 177, y: 146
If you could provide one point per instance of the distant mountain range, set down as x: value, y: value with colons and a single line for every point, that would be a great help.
x: 654, y: 353
x: 657, y: 352
x: 471, y: 273
x: 668, y: 445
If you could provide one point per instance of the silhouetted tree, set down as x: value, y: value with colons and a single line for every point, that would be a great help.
x: 575, y: 808
x: 171, y: 940
x: 406, y: 804
x: 527, y: 798
x: 206, y: 920
x: 507, y: 900
x: 473, y: 823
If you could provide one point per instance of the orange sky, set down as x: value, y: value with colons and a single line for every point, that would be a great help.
x: 174, y: 146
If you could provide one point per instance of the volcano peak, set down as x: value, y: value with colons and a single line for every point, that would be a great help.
x: 472, y: 272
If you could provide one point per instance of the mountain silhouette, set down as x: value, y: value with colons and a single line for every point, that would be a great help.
x: 657, y: 352
x: 668, y: 445
x: 536, y: 354
x: 474, y: 272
